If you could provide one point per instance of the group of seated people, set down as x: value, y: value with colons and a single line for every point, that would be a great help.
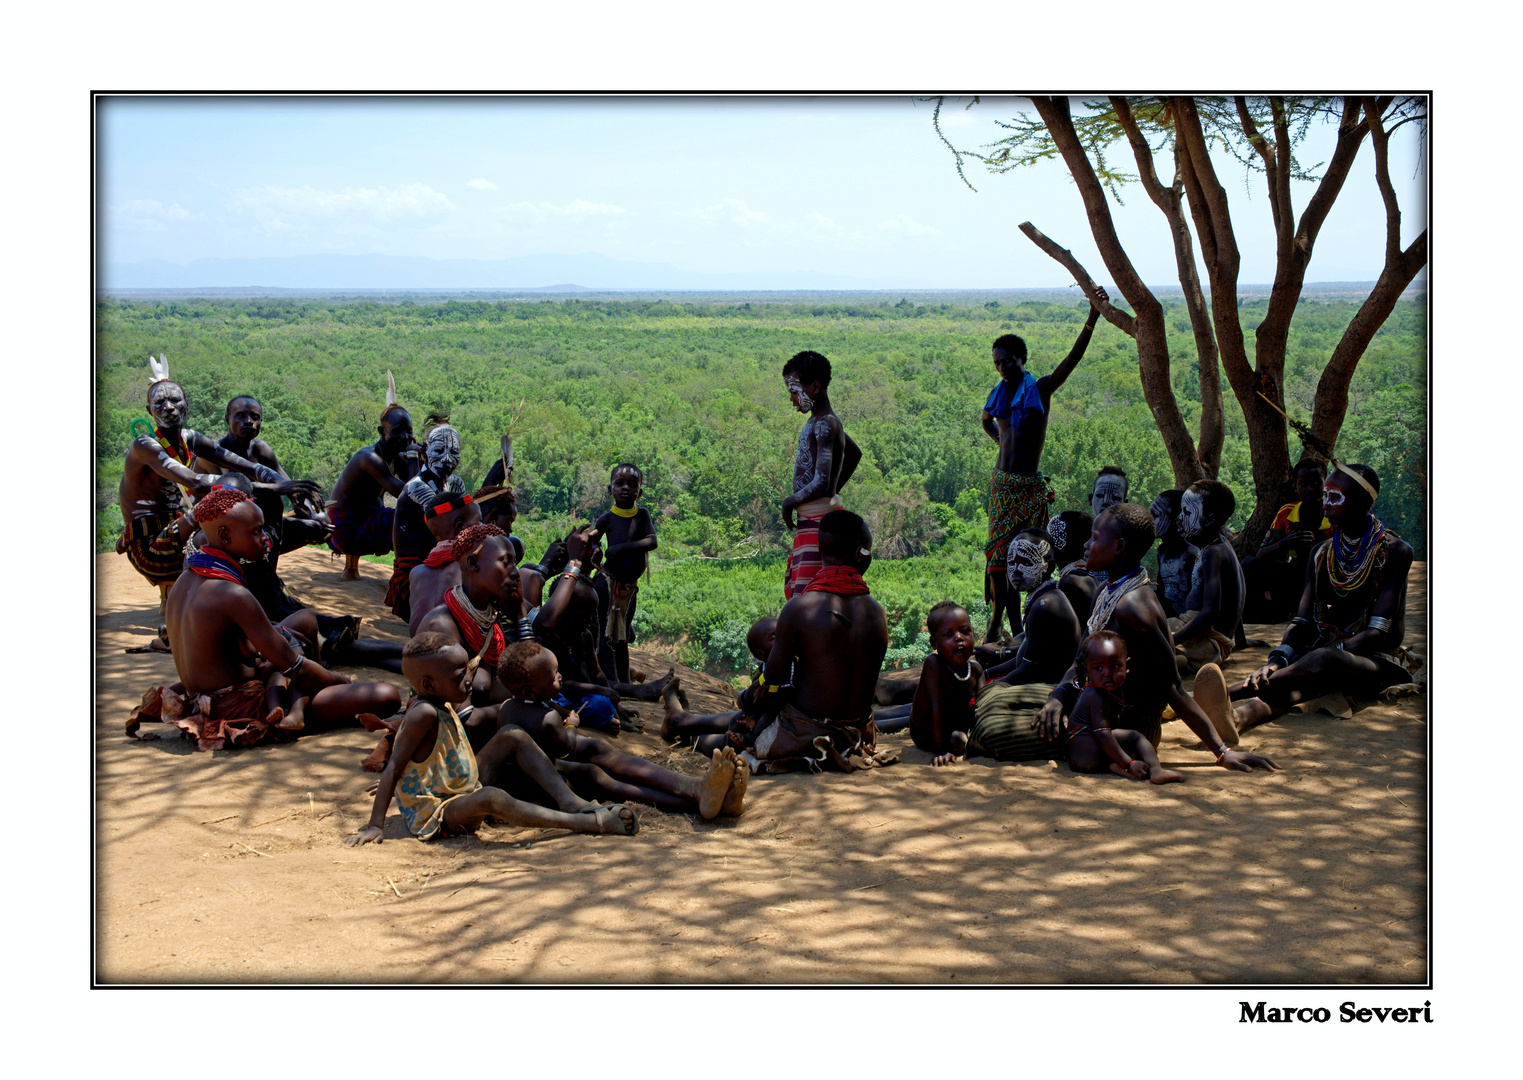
x: 507, y: 661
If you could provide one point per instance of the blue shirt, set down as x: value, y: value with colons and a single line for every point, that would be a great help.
x: 1005, y: 404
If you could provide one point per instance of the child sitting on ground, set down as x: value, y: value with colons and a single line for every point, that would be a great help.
x: 433, y: 771
x: 631, y: 538
x: 941, y: 713
x: 1092, y: 742
x: 532, y: 675
x: 714, y: 731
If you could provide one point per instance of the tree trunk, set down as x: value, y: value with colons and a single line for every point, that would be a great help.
x: 1150, y: 332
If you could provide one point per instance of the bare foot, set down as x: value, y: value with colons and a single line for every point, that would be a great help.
x: 1160, y: 775
x: 617, y: 820
x: 1210, y: 694
x: 652, y: 691
x: 734, y: 800
x: 1251, y: 712
x: 675, y: 707
x: 629, y: 721
x: 351, y: 568
x: 714, y: 784
x: 636, y: 675
x: 295, y: 718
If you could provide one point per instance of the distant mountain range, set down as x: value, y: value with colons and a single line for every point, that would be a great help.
x: 544, y: 273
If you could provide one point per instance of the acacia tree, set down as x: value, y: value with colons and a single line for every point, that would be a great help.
x: 1262, y: 133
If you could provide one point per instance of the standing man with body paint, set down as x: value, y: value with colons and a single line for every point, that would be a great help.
x: 825, y: 460
x: 1015, y: 417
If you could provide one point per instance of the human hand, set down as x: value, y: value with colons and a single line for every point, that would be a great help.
x: 1101, y: 295
x: 1138, y: 768
x: 1049, y: 721
x: 572, y: 719
x: 370, y: 834
x: 1301, y: 536
x: 944, y: 759
x: 579, y: 543
x: 1244, y: 762
x: 306, y: 489
x: 1260, y: 678
x: 788, y: 505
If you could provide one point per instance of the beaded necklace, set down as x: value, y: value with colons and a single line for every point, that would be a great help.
x: 1350, y: 563
x: 1110, y: 596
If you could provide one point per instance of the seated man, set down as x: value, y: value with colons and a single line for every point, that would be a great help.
x: 218, y: 631
x: 445, y: 515
x: 739, y: 728
x: 361, y: 522
x: 830, y: 643
x: 1203, y: 634
x: 1005, y: 727
x: 244, y: 417
x: 1276, y: 576
x: 340, y: 641
x: 1347, y: 635
x: 1176, y: 557
x: 159, y: 464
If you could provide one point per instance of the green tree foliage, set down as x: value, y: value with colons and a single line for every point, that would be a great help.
x: 693, y: 393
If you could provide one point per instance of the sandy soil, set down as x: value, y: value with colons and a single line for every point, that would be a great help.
x: 229, y: 867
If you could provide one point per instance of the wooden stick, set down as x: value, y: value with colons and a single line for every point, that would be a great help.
x: 864, y: 888
x: 224, y: 817
x: 394, y: 888
x: 256, y: 851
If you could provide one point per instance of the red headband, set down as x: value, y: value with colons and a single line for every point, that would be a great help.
x: 447, y: 506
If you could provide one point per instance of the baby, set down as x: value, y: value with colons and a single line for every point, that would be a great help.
x: 1092, y: 741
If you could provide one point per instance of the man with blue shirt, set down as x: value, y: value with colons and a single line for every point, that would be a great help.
x: 1015, y: 416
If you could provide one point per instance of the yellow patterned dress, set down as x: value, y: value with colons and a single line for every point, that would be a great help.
x: 448, y: 773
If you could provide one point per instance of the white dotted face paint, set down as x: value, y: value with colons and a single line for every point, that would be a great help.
x: 1057, y: 528
x: 796, y: 388
x: 1028, y: 563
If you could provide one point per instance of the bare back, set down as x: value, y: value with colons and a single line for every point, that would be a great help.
x: 212, y: 649
x: 834, y: 646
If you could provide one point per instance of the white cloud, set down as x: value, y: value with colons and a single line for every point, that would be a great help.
x: 735, y: 210
x: 282, y: 208
x: 821, y: 221
x: 481, y: 183
x: 149, y: 214
x: 908, y: 226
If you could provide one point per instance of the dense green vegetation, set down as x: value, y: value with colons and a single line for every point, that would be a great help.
x: 692, y: 392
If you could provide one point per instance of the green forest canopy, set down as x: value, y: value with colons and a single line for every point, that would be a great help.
x: 692, y: 391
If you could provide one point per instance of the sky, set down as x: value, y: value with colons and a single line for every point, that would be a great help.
x: 858, y: 187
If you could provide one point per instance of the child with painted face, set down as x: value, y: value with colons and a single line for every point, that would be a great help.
x: 631, y: 538
x: 942, y: 713
x: 1205, y: 631
x: 1093, y: 744
x: 435, y: 777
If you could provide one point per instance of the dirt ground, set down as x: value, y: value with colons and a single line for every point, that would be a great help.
x: 228, y: 866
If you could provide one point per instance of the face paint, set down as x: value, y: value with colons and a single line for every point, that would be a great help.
x: 1161, y: 517
x: 166, y: 404
x: 800, y: 399
x: 1192, y: 517
x: 1332, y: 496
x: 1109, y: 490
x: 442, y: 450
x: 1057, y: 528
x: 1029, y: 563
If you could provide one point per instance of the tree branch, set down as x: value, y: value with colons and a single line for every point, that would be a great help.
x: 1127, y: 324
x: 1381, y: 144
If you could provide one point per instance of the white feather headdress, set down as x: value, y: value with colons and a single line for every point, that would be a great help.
x: 158, y: 370
x: 391, y: 390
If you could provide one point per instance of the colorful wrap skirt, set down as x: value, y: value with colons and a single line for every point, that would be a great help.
x: 1016, y: 502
